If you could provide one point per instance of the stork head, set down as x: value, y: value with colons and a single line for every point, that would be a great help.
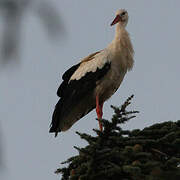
x: 121, y: 18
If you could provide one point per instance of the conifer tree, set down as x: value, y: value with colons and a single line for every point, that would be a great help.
x: 149, y: 154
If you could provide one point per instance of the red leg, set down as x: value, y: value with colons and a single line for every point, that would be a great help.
x: 99, y: 112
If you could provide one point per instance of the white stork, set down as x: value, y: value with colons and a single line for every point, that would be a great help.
x: 88, y: 84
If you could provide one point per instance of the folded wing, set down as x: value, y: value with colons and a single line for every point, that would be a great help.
x: 77, y: 92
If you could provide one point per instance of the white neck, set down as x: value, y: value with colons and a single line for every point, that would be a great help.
x: 118, y: 31
x: 121, y: 47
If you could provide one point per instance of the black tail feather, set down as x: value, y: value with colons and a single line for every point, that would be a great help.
x: 55, y: 118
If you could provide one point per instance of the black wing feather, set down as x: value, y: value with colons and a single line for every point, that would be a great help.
x: 73, y: 92
x: 66, y: 76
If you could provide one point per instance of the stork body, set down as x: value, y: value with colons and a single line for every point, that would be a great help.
x: 96, y: 78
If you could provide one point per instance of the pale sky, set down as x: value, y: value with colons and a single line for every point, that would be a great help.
x: 28, y: 91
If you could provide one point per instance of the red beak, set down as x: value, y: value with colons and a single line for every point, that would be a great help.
x: 116, y: 20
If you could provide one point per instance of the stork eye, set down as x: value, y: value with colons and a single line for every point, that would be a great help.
x: 123, y: 13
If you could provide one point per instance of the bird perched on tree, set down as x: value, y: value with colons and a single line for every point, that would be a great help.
x: 88, y: 84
